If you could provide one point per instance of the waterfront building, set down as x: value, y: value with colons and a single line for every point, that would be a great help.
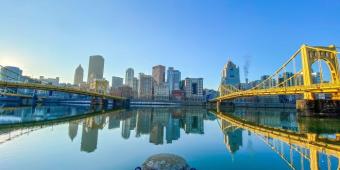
x: 99, y: 86
x: 194, y: 89
x: 135, y: 87
x: 10, y: 73
x: 209, y: 94
x: 78, y: 75
x: 173, y: 79
x: 51, y: 81
x: 178, y: 95
x: 123, y: 91
x: 230, y: 74
x: 145, y: 86
x: 285, y: 79
x: 84, y: 86
x: 161, y: 91
x: 158, y: 74
x: 129, y: 75
x: 96, y: 68
x: 117, y: 82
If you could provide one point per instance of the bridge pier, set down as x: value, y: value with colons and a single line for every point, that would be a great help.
x: 218, y: 106
x: 329, y: 108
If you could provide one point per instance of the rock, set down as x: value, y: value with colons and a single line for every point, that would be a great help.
x: 165, y: 161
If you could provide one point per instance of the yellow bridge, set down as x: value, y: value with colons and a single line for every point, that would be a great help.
x: 301, y: 82
x: 57, y: 88
x: 310, y: 141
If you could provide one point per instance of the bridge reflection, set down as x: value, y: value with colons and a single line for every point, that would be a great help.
x: 286, y: 135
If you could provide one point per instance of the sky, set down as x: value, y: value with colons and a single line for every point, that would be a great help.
x: 51, y: 38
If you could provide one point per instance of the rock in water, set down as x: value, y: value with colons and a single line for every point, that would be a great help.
x: 165, y: 161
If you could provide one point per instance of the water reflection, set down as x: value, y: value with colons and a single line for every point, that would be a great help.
x: 11, y: 115
x: 299, y: 143
x: 159, y: 124
x: 280, y: 130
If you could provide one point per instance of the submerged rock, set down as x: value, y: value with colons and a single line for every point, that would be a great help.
x: 165, y: 161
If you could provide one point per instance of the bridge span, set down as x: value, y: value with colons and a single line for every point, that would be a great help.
x: 300, y: 82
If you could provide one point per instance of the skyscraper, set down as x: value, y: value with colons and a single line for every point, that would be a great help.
x: 135, y: 87
x: 173, y: 79
x: 145, y: 86
x: 117, y: 82
x: 78, y: 75
x: 158, y: 74
x: 230, y: 74
x: 129, y: 75
x: 96, y: 68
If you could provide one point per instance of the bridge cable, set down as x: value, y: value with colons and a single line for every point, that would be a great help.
x: 278, y: 70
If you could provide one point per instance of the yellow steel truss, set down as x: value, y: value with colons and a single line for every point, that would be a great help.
x: 309, y: 55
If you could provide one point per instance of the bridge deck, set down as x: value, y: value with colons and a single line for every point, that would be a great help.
x: 57, y: 88
x: 316, y: 88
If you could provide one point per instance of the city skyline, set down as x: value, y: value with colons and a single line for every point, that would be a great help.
x: 184, y: 35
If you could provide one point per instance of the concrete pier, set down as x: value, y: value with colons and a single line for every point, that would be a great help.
x: 328, y: 108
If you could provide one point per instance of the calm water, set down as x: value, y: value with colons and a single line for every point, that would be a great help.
x: 80, y: 137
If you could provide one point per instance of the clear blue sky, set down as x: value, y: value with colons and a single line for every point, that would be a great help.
x: 52, y: 37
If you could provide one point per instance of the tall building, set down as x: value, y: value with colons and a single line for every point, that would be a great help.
x: 230, y: 74
x: 10, y: 73
x: 129, y: 75
x: 78, y: 75
x: 158, y: 74
x: 117, y: 82
x: 135, y: 87
x: 96, y: 68
x: 145, y: 86
x: 194, y: 88
x: 173, y: 79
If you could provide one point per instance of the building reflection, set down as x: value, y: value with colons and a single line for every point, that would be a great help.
x: 73, y: 129
x: 232, y: 137
x: 89, y: 136
x: 160, y: 124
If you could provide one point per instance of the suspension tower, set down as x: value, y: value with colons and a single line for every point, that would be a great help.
x: 309, y: 56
